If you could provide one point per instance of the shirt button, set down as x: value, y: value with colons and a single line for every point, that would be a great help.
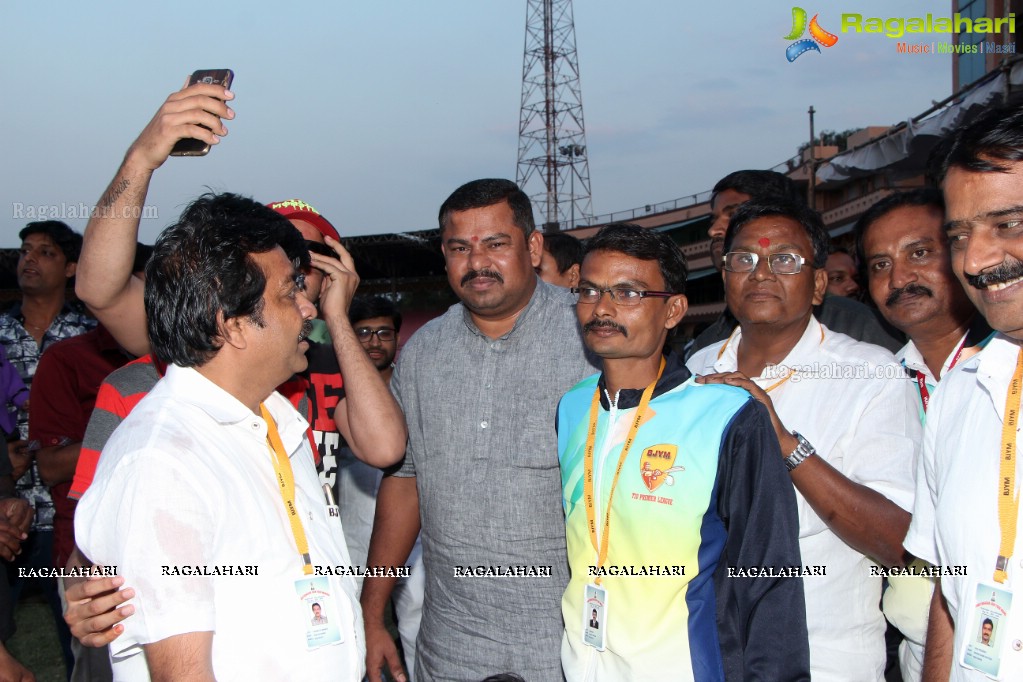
x: 491, y: 386
x: 484, y: 424
x: 1017, y: 645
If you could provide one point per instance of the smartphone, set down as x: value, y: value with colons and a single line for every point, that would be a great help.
x: 190, y: 146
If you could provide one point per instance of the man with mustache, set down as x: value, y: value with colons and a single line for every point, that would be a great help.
x: 970, y: 439
x: 837, y: 313
x: 479, y: 387
x: 903, y: 245
x: 844, y: 414
x: 696, y: 516
x: 902, y: 241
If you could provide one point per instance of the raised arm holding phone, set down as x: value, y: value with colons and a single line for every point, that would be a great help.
x: 198, y: 111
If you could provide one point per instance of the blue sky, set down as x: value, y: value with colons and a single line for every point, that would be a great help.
x: 375, y: 111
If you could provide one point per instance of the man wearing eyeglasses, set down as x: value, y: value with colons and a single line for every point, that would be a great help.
x: 377, y: 324
x: 851, y: 450
x: 838, y: 313
x: 681, y: 523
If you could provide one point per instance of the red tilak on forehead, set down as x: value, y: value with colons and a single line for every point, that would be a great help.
x: 475, y: 238
x: 765, y: 242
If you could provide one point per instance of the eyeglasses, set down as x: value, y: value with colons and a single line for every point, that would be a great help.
x: 365, y: 334
x: 620, y: 295
x: 777, y: 263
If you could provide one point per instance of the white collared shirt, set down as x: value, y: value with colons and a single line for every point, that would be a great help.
x: 907, y: 600
x: 186, y: 481
x: 955, y: 517
x: 911, y: 358
x: 856, y: 406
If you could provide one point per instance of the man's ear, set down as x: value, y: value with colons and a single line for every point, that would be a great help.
x: 573, y: 275
x: 677, y: 307
x: 534, y: 243
x: 233, y: 331
x: 820, y: 285
x: 70, y: 269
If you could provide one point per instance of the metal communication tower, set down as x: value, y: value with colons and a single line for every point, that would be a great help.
x: 553, y: 168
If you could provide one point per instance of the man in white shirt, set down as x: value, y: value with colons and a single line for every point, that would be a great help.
x: 967, y: 491
x: 206, y: 498
x: 852, y: 456
x: 901, y: 240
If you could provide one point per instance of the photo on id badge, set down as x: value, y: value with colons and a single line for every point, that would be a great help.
x: 595, y: 617
x: 319, y: 617
x: 989, y: 614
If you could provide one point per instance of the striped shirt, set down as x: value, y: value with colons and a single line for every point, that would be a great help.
x: 117, y: 396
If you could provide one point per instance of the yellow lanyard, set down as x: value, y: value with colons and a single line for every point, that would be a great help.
x: 1008, y: 501
x: 286, y: 481
x: 780, y: 382
x: 591, y: 438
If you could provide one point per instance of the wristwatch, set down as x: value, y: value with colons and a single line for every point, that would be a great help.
x: 802, y: 451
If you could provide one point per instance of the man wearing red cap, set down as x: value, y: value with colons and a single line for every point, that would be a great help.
x: 369, y: 418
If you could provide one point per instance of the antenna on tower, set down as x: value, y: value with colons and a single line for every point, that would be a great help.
x: 553, y: 168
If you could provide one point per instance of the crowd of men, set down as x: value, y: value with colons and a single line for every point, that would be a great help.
x: 546, y: 483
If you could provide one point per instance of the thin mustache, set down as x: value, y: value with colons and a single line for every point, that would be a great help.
x: 307, y: 329
x: 609, y: 324
x: 1005, y: 272
x: 909, y: 289
x: 473, y: 274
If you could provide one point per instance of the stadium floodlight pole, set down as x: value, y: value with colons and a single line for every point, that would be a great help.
x: 551, y: 118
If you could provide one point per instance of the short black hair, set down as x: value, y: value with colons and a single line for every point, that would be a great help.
x: 488, y: 192
x: 367, y: 307
x: 202, y: 266
x: 567, y: 250
x: 645, y: 244
x: 785, y: 207
x: 67, y: 240
x: 987, y: 144
x: 757, y: 184
x: 923, y: 196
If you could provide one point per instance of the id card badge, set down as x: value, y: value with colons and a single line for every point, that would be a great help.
x: 319, y: 616
x: 595, y: 617
x: 987, y: 623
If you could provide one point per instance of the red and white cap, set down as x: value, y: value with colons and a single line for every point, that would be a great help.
x: 300, y: 210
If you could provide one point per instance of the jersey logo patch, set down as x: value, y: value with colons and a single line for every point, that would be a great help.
x: 656, y: 465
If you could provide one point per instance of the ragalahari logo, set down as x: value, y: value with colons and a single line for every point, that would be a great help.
x: 817, y: 35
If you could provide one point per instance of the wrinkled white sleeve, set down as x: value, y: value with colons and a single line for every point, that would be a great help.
x: 920, y: 540
x: 148, y: 516
x: 883, y: 453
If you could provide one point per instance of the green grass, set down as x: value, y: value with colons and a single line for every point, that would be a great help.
x: 35, y: 643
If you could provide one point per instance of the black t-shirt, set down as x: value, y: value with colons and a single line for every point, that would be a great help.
x: 324, y: 390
